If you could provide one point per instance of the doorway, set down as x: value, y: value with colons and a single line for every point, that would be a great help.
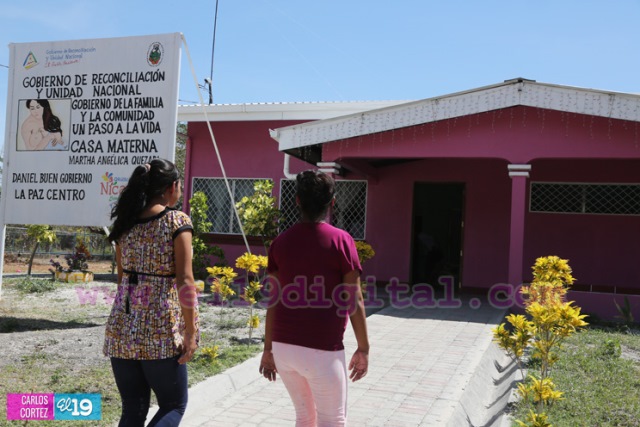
x: 438, y: 221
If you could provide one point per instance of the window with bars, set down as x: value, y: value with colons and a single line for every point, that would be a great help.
x: 609, y: 199
x: 220, y: 209
x: 288, y: 210
x: 350, y: 208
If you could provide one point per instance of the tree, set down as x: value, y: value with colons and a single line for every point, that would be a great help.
x: 39, y: 233
x: 201, y: 226
x: 259, y: 214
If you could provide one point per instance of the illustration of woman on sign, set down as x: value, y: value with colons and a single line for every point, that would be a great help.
x: 41, y: 130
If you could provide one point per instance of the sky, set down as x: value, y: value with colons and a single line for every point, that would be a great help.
x: 355, y: 50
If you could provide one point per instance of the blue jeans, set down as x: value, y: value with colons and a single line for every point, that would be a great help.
x: 135, y: 380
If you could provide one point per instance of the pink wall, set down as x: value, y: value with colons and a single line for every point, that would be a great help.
x: 485, y: 240
x: 602, y: 249
x: 604, y: 305
x: 517, y: 134
x: 247, y: 151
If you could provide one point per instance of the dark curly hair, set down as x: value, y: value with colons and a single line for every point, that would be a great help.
x: 143, y: 186
x: 315, y: 191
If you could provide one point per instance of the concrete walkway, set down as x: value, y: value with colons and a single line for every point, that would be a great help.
x: 428, y: 367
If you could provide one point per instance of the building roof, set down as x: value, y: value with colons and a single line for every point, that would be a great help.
x: 510, y: 93
x: 276, y: 110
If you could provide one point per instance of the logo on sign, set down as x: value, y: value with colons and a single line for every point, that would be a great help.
x: 30, y: 61
x: 155, y: 53
x: 109, y: 185
x: 49, y: 406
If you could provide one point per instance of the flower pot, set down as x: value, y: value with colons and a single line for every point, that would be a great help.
x: 74, y: 276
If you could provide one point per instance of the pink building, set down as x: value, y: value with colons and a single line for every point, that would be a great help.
x: 475, y: 185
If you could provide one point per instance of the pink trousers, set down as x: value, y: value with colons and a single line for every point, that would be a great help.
x: 317, y: 383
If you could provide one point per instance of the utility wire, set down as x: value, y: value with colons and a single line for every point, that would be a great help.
x: 209, y: 81
x: 213, y: 42
x: 5, y: 66
x: 215, y: 145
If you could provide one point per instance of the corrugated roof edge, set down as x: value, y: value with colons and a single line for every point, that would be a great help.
x: 509, y: 93
x: 278, y: 110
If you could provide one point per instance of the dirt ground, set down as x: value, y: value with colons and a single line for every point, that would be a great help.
x: 70, y: 320
x: 20, y: 265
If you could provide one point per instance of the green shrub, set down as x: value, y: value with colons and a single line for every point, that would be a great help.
x: 202, y: 251
x: 610, y: 349
x: 32, y: 285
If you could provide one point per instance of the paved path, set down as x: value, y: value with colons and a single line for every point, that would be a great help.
x: 421, y: 363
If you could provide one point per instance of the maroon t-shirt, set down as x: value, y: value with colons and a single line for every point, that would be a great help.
x: 313, y: 304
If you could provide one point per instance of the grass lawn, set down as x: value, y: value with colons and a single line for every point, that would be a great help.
x: 599, y: 373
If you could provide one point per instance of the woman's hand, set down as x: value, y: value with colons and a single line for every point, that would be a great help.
x: 268, y: 366
x: 188, y: 348
x: 57, y: 139
x: 359, y: 365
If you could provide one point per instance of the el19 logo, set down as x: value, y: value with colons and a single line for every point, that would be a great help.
x: 71, y: 404
x: 78, y: 406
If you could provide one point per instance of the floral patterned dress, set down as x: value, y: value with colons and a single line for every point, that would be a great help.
x: 146, y: 320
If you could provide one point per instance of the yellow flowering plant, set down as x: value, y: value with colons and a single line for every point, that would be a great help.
x: 535, y: 420
x: 253, y: 265
x: 548, y: 321
x: 199, y: 284
x: 222, y: 279
x: 254, y: 321
x: 365, y: 251
x: 210, y: 352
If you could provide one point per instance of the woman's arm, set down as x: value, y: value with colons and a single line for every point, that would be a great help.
x: 359, y: 364
x: 32, y: 136
x: 186, y: 293
x: 267, y: 364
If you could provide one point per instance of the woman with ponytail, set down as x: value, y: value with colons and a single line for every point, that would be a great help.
x: 152, y: 331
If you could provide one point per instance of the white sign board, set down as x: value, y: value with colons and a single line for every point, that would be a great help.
x: 81, y: 115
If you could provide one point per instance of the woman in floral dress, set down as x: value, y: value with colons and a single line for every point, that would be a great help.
x: 152, y: 331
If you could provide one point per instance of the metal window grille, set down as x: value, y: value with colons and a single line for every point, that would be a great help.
x: 608, y: 199
x: 350, y: 208
x: 289, y: 214
x: 220, y: 209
